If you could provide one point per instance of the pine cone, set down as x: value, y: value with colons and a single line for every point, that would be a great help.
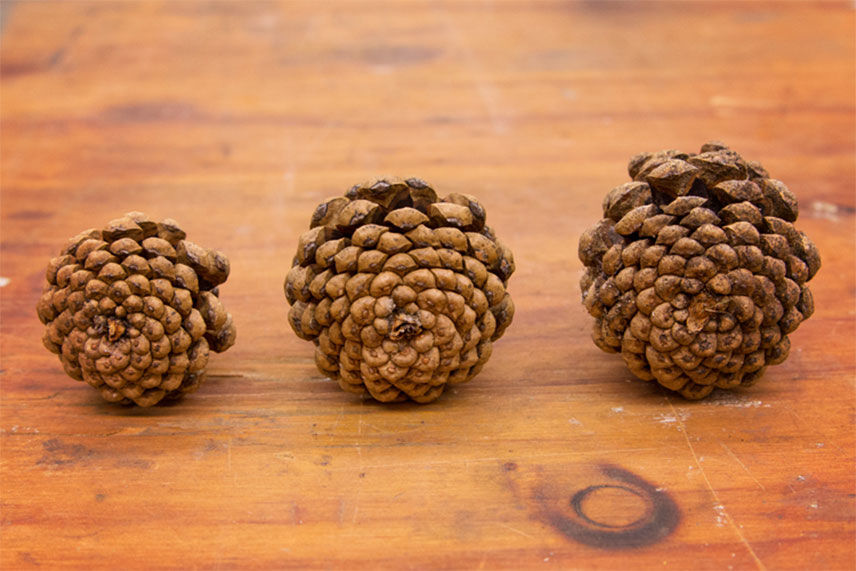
x: 133, y: 310
x: 401, y: 293
x: 697, y: 274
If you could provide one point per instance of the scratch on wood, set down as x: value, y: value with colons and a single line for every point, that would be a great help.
x: 164, y: 521
x: 229, y: 462
x: 515, y: 530
x: 720, y: 507
x: 492, y: 459
x: 357, y: 500
x: 742, y: 465
x: 359, y: 463
x: 341, y: 512
x: 486, y: 91
x: 339, y: 418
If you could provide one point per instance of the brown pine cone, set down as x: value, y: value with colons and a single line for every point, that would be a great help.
x: 696, y: 274
x: 401, y: 292
x: 133, y: 310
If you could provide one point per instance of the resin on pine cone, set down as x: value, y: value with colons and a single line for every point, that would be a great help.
x: 133, y: 310
x: 401, y: 292
x: 696, y: 274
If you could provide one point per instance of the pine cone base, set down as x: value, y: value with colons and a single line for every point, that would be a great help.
x: 696, y: 274
x: 402, y: 293
x: 133, y: 310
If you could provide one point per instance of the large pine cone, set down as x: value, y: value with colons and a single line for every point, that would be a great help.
x: 133, y: 310
x: 401, y: 293
x: 697, y: 274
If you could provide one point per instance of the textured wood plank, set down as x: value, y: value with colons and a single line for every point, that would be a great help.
x: 237, y: 118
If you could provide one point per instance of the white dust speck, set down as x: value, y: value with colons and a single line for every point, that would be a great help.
x: 617, y: 409
x: 667, y: 419
x: 813, y: 505
x: 820, y: 445
x: 748, y: 404
x: 735, y: 401
x: 574, y: 422
x: 801, y: 478
x: 721, y: 517
x: 825, y: 210
x: 4, y: 281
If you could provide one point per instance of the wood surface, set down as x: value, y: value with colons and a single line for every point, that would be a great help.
x: 237, y: 118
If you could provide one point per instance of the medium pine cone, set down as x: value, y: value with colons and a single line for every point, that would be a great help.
x: 697, y: 274
x: 133, y: 310
x: 401, y: 293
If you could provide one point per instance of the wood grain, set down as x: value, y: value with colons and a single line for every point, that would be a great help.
x: 237, y: 118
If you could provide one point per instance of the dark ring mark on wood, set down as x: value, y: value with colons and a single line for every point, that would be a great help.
x: 579, y: 498
x: 660, y: 519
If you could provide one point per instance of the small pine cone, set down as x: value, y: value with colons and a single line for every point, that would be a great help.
x: 696, y: 274
x: 133, y: 310
x: 401, y: 292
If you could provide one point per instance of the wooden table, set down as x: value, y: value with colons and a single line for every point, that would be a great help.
x: 237, y: 118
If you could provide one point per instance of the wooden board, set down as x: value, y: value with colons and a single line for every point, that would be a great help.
x: 237, y: 118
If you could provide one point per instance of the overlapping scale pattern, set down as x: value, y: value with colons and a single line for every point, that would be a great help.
x: 696, y: 274
x: 402, y: 293
x: 133, y: 309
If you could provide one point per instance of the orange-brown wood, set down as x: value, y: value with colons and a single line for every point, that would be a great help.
x: 237, y: 118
